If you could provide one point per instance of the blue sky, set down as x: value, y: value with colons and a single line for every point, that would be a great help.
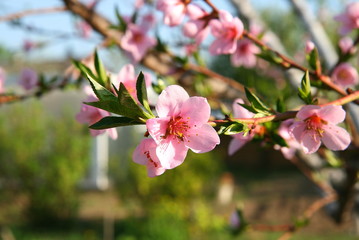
x: 13, y: 37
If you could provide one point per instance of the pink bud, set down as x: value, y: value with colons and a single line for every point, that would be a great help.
x: 309, y: 46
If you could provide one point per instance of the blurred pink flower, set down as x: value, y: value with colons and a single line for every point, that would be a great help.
x: 182, y: 124
x: 345, y: 75
x: 128, y: 77
x: 90, y: 115
x: 145, y: 154
x: 148, y: 21
x: 136, y: 43
x: 84, y: 28
x: 139, y: 3
x: 227, y: 30
x: 318, y: 124
x: 346, y: 45
x: 309, y: 46
x: 28, y: 79
x: 2, y: 80
x: 197, y: 27
x: 28, y: 45
x: 245, y: 54
x: 173, y: 10
x: 239, y: 140
x: 349, y: 19
x: 293, y: 145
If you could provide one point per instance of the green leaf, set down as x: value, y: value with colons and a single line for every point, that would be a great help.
x: 110, y: 106
x: 270, y: 56
x: 256, y: 103
x: 277, y: 139
x: 304, y: 90
x: 122, y: 25
x: 111, y: 122
x: 101, y: 92
x: 280, y: 105
x: 101, y: 71
x: 129, y: 106
x: 234, y: 128
x: 85, y: 71
x: 142, y: 92
x: 312, y: 59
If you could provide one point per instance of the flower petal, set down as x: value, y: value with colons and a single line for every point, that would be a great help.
x: 239, y: 111
x: 157, y: 128
x: 335, y: 138
x: 171, y: 100
x: 196, y: 110
x: 171, y: 153
x: 310, y: 141
x: 235, y: 145
x: 203, y: 139
x: 307, y: 111
x: 332, y: 114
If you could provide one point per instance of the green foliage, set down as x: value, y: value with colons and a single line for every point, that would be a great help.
x: 305, y: 91
x: 45, y: 157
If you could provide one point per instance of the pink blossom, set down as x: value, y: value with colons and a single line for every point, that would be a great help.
x: 197, y: 27
x: 28, y: 45
x: 240, y: 139
x: 245, y: 54
x: 139, y: 4
x: 293, y: 145
x: 346, y: 45
x: 227, y: 30
x: 136, y: 43
x: 318, y: 124
x: 28, y: 79
x: 148, y: 21
x: 84, y: 28
x: 173, y: 10
x: 235, y: 220
x: 145, y: 154
x: 90, y: 115
x: 309, y: 46
x: 128, y: 77
x: 2, y: 80
x: 182, y: 124
x: 349, y: 19
x: 345, y: 75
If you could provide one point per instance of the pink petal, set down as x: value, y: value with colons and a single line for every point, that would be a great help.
x: 235, y: 145
x: 170, y: 101
x: 216, y: 28
x: 112, y: 133
x: 157, y: 128
x: 239, y: 111
x: 196, y: 110
x: 126, y: 75
x: 310, y: 141
x: 203, y: 139
x: 307, y: 111
x: 332, y: 114
x: 335, y: 138
x: 139, y: 155
x: 297, y: 129
x: 195, y: 12
x: 171, y: 153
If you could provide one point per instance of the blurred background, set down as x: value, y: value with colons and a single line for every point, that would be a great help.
x: 48, y: 173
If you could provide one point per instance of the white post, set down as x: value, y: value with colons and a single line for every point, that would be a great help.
x: 98, y: 178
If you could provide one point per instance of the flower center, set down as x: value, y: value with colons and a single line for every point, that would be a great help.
x: 230, y: 33
x: 137, y: 37
x: 315, y: 123
x: 177, y: 127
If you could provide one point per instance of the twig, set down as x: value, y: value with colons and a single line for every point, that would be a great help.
x: 18, y: 15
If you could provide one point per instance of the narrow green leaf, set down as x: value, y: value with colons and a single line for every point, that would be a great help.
x: 110, y: 106
x: 142, y: 92
x: 111, y: 122
x: 101, y: 71
x: 234, y: 128
x: 85, y: 71
x: 304, y: 90
x: 256, y: 103
x: 101, y: 92
x: 129, y: 106
x: 122, y: 25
